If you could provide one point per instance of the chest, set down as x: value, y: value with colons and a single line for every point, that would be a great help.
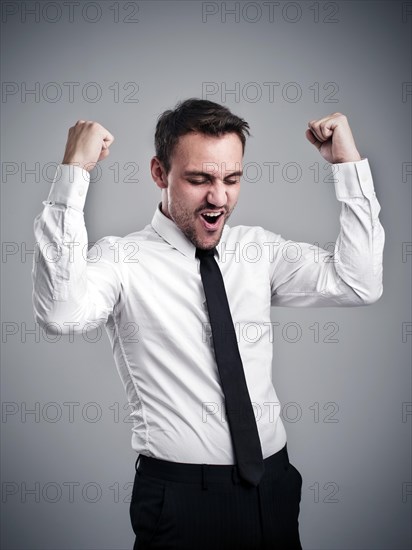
x: 166, y: 287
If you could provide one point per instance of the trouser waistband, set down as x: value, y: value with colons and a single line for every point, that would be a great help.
x: 201, y: 473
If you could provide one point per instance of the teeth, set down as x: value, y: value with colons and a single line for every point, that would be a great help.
x: 213, y: 215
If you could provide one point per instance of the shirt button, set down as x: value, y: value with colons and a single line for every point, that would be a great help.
x: 365, y: 178
x: 81, y: 192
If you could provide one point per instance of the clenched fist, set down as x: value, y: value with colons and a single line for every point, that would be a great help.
x: 87, y: 143
x: 333, y: 137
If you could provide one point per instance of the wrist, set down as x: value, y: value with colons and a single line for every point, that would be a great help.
x: 88, y: 166
x: 352, y: 157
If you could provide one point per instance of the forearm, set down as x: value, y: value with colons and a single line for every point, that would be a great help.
x: 67, y: 289
x: 351, y: 275
x: 359, y: 246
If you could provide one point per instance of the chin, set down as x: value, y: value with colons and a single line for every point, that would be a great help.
x: 204, y: 246
x: 200, y: 239
x: 207, y: 243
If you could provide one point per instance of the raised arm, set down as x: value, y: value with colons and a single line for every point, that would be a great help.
x: 303, y: 274
x: 73, y: 287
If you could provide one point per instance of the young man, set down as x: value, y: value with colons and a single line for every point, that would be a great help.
x: 213, y: 469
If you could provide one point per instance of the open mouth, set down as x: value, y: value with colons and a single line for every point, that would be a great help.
x: 212, y: 218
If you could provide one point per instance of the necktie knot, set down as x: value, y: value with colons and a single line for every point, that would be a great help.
x: 205, y: 253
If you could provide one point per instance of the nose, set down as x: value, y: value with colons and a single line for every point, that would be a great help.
x: 217, y: 194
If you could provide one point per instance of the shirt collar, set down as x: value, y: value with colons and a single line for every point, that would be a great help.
x: 168, y: 230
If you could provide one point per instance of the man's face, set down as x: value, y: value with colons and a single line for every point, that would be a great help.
x: 203, y: 185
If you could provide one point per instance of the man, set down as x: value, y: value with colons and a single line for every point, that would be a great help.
x: 213, y: 469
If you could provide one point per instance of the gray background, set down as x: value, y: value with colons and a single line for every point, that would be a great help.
x: 355, y: 455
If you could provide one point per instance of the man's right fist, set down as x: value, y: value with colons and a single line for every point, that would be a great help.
x: 87, y: 143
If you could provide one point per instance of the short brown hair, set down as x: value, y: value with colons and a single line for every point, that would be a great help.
x: 195, y: 115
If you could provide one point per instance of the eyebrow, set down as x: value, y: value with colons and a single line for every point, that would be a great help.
x: 208, y: 175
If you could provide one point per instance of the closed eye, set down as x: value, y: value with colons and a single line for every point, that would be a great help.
x: 197, y: 181
x: 200, y: 181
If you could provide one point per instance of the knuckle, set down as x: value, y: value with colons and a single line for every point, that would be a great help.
x: 97, y: 126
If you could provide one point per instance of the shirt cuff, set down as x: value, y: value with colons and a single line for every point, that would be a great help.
x: 353, y: 179
x: 69, y: 187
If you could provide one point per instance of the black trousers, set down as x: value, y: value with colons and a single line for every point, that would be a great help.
x: 178, y: 506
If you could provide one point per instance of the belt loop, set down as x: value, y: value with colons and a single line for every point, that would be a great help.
x: 204, y: 476
x: 235, y: 476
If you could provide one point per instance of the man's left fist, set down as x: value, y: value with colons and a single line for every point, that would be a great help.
x: 333, y: 137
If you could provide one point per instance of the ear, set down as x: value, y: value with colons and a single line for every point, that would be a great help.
x: 158, y: 173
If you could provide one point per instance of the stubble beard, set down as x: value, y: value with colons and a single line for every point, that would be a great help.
x: 186, y: 221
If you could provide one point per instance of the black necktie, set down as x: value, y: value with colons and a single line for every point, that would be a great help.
x: 239, y: 410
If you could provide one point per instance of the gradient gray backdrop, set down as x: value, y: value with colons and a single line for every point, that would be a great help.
x: 66, y: 481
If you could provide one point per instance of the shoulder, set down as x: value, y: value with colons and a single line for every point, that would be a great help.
x: 252, y: 243
x: 113, y: 247
x: 249, y: 233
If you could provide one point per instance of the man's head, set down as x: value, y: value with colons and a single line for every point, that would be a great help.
x: 198, y: 165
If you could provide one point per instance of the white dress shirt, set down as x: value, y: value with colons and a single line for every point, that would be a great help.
x: 147, y: 291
